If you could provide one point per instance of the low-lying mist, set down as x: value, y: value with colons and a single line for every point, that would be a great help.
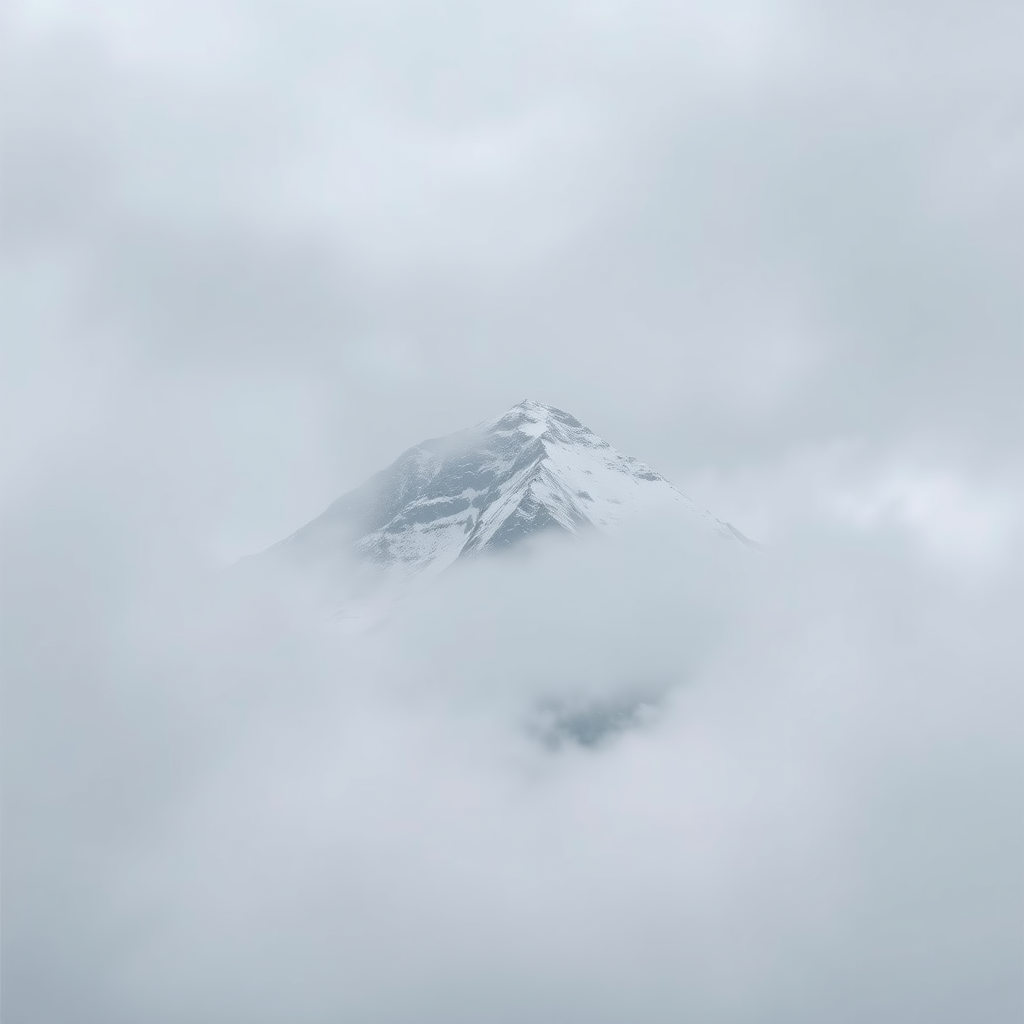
x: 644, y: 779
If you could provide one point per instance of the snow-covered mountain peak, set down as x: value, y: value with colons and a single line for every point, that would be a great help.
x: 545, y: 422
x: 534, y: 419
x: 532, y: 469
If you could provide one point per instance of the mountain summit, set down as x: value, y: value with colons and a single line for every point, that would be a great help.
x: 533, y: 469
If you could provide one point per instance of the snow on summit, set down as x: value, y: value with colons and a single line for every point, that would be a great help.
x: 532, y: 469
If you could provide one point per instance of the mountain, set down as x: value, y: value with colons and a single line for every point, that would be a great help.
x: 531, y: 470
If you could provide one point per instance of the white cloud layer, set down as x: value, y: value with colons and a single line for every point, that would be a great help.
x: 254, y: 250
x: 817, y: 817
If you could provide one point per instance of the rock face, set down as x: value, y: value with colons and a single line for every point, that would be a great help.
x: 533, y: 469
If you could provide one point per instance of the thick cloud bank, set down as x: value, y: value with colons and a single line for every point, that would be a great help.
x: 800, y: 802
x: 255, y: 250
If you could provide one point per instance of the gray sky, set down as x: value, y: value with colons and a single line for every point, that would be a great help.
x: 252, y: 251
x: 276, y: 244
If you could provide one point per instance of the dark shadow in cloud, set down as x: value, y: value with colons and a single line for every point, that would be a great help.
x: 594, y: 724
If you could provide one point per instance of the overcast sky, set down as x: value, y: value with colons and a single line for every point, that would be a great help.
x: 276, y: 244
x: 254, y: 250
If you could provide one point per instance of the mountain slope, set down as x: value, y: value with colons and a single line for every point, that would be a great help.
x: 535, y: 468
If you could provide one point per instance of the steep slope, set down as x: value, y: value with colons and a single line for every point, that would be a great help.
x: 535, y: 468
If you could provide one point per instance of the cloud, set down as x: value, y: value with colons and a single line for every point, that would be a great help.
x: 768, y: 228
x: 816, y: 819
x: 255, y: 252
